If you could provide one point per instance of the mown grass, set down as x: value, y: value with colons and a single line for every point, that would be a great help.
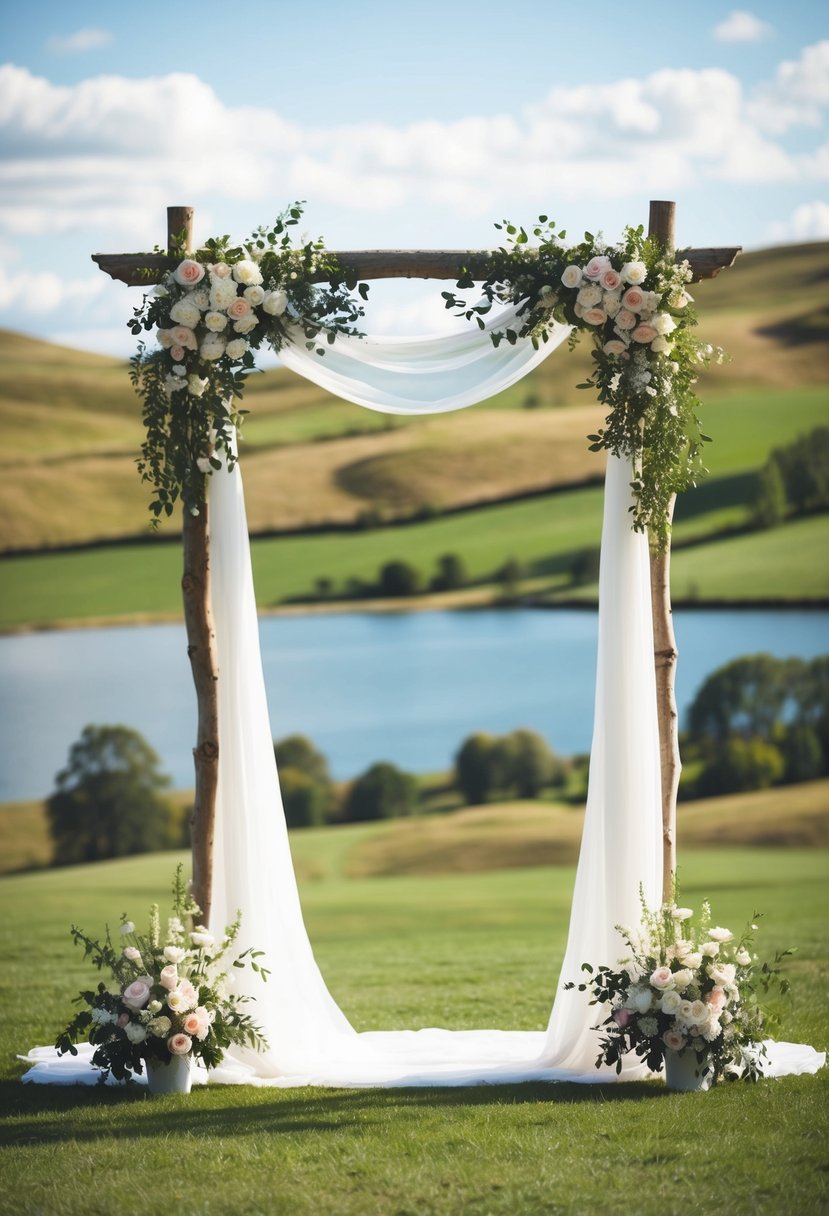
x: 462, y: 951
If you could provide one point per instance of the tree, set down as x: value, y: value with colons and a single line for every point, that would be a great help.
x: 533, y: 764
x: 304, y: 800
x: 108, y: 799
x: 509, y: 576
x: 770, y: 504
x: 473, y: 767
x: 398, y: 578
x: 382, y: 792
x: 745, y: 697
x: 451, y: 573
x: 741, y: 764
x: 802, y: 754
x: 307, y: 788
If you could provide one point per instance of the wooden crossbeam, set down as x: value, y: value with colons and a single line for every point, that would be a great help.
x: 145, y: 269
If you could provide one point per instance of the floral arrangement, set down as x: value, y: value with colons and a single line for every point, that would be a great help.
x: 633, y: 300
x: 688, y: 988
x: 173, y: 995
x: 209, y: 314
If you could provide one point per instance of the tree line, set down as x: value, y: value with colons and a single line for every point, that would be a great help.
x: 756, y: 722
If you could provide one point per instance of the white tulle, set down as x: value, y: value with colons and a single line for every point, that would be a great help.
x: 311, y: 1041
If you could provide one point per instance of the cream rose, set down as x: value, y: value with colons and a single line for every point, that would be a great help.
x: 182, y: 335
x: 185, y: 312
x: 661, y: 978
x: 215, y: 321
x: 743, y: 957
x: 164, y: 338
x: 212, y: 348
x: 247, y: 272
x: 179, y: 1044
x: 660, y: 345
x: 597, y: 266
x: 682, y: 979
x: 673, y: 1040
x: 710, y: 949
x: 245, y: 324
x: 188, y: 273
x: 594, y: 316
x: 195, y: 387
x: 236, y: 348
x: 572, y: 276
x: 614, y: 347
x: 219, y: 271
x: 254, y: 295
x: 634, y: 272
x: 670, y: 1001
x: 275, y: 302
x: 718, y: 934
x: 132, y: 955
x: 611, y: 304
x: 222, y: 294
x: 174, y: 954
x: 664, y: 324
x: 625, y: 319
x: 589, y: 295
x: 135, y: 1033
x: 201, y: 937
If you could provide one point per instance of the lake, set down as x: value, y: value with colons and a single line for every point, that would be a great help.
x: 403, y: 687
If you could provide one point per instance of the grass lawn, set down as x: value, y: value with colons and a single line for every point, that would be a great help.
x: 463, y: 951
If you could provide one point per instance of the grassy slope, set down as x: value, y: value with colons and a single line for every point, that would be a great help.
x: 469, y: 951
x: 490, y: 837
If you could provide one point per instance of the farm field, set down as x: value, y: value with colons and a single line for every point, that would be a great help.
x: 459, y: 950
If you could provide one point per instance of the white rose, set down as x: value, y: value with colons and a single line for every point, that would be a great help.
x: 682, y: 913
x: 188, y: 273
x: 634, y: 272
x: 173, y: 383
x: 178, y: 370
x: 275, y: 302
x: 589, y: 295
x: 185, y: 312
x: 177, y: 1002
x: 154, y: 1007
x: 692, y: 960
x: 127, y: 927
x: 174, y: 954
x: 219, y: 270
x: 196, y: 386
x: 236, y: 348
x: 639, y: 999
x: 222, y: 294
x: 723, y: 974
x: 572, y: 276
x: 135, y: 1033
x: 212, y: 348
x: 132, y: 954
x: 215, y: 321
x: 201, y: 937
x: 718, y: 934
x: 164, y: 338
x: 255, y: 295
x: 710, y: 949
x: 183, y: 335
x: 245, y: 324
x: 247, y: 272
x: 682, y: 979
x: 663, y: 323
x: 660, y: 345
x: 743, y: 957
x: 611, y: 304
x: 670, y: 1001
x: 201, y: 297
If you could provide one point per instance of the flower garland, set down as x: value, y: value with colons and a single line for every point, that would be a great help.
x: 209, y: 315
x: 687, y: 988
x: 173, y: 994
x: 633, y: 299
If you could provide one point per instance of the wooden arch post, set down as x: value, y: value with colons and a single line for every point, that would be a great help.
x: 144, y: 269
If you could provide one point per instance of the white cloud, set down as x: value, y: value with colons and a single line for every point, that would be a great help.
x: 808, y: 222
x: 36, y: 293
x: 740, y: 26
x: 798, y: 93
x: 82, y: 40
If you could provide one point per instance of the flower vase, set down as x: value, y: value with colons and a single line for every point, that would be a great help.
x: 685, y: 1074
x: 171, y: 1077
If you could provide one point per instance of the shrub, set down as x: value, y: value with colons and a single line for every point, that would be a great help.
x: 382, y: 792
x: 473, y: 767
x: 398, y: 578
x: 108, y: 799
x: 741, y: 764
x: 451, y: 573
x: 305, y: 801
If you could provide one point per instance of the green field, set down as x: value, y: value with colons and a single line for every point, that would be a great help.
x: 461, y: 951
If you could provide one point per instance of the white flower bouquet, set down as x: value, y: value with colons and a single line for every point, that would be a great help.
x: 687, y: 987
x: 173, y: 996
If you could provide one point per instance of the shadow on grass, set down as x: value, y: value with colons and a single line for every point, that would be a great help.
x: 45, y: 1113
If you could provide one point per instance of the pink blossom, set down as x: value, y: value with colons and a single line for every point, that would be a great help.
x: 594, y: 316
x: 644, y: 333
x: 611, y: 279
x: 614, y: 347
x: 177, y: 353
x: 596, y: 267
x: 183, y: 335
x: 136, y: 994
x: 716, y: 999
x: 661, y: 978
x: 622, y: 1017
x: 188, y: 273
x: 123, y: 1020
x: 625, y: 319
x: 633, y: 299
x: 169, y: 977
x: 674, y: 1040
x: 179, y: 1044
x: 239, y: 308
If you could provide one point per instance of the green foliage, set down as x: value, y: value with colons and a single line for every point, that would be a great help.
x: 398, y: 578
x: 520, y: 763
x: 108, y: 799
x: 740, y: 764
x: 305, y: 782
x: 451, y: 573
x: 745, y: 696
x: 190, y: 387
x: 382, y: 792
x: 802, y: 754
x: 795, y: 479
x: 646, y: 361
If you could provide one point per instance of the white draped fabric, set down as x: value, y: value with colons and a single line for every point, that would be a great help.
x: 311, y: 1040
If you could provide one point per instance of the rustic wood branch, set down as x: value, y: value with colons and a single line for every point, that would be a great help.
x: 201, y: 650
x: 144, y: 269
x: 661, y: 225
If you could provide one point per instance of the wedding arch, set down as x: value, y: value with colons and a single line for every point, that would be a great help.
x: 241, y: 855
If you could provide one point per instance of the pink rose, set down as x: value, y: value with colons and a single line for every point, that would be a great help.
x: 596, y: 267
x: 169, y: 977
x: 177, y: 353
x: 614, y: 347
x: 633, y: 299
x: 661, y: 978
x: 644, y: 333
x: 611, y: 279
x: 188, y: 273
x: 239, y: 308
x: 621, y: 1017
x: 220, y: 270
x: 188, y: 994
x: 594, y: 316
x: 136, y: 994
x: 179, y: 1044
x: 123, y: 1020
x: 192, y: 1024
x: 625, y: 319
x: 674, y: 1040
x: 184, y: 336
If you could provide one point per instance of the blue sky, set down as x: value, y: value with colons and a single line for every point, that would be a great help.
x: 413, y: 125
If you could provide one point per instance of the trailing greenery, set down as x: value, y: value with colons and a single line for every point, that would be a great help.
x: 632, y: 298
x: 210, y: 314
